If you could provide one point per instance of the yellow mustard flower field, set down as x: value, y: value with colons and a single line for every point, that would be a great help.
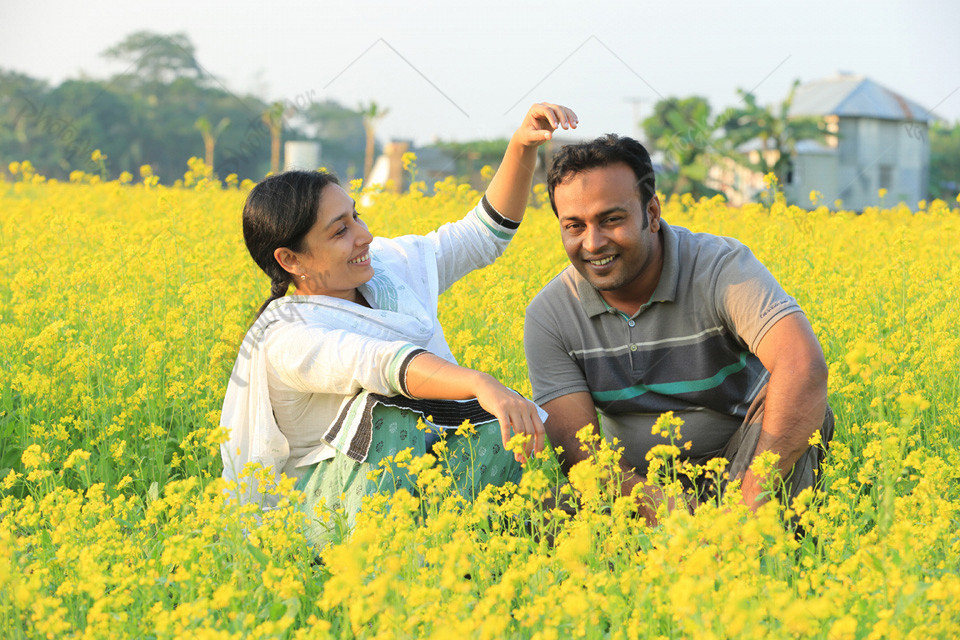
x: 122, y: 307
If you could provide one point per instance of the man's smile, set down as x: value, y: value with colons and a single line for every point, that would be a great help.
x: 599, y: 262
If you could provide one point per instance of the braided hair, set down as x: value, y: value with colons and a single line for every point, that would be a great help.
x: 279, y: 212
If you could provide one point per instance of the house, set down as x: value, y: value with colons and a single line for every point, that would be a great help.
x: 878, y: 141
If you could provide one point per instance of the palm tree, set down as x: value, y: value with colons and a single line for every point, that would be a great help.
x: 371, y: 114
x: 273, y: 117
x: 775, y: 130
x: 210, y: 135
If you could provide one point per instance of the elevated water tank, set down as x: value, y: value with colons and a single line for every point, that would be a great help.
x: 301, y: 154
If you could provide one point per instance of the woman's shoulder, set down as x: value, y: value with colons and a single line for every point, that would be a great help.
x: 404, y: 255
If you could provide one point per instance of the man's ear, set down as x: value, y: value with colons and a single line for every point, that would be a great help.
x: 287, y: 259
x: 653, y: 213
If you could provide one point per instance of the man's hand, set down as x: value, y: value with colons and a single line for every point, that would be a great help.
x: 569, y: 414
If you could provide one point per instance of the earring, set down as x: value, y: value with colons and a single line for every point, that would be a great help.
x: 303, y: 277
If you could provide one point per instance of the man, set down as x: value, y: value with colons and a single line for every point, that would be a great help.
x: 651, y: 318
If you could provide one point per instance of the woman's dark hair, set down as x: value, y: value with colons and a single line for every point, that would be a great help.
x: 279, y: 212
x: 602, y: 152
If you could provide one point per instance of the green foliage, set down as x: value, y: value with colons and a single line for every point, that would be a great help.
x: 774, y: 129
x: 470, y: 157
x: 148, y: 114
x: 342, y: 134
x: 944, y: 161
x: 156, y: 58
x: 682, y: 130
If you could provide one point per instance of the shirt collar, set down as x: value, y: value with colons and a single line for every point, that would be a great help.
x: 666, y: 291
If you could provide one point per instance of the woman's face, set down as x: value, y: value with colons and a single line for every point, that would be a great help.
x: 336, y: 256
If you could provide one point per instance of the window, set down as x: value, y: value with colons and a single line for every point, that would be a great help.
x: 884, y: 176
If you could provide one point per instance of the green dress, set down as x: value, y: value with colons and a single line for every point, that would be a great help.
x: 340, y: 483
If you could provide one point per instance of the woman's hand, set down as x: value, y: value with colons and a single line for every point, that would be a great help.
x: 541, y: 121
x: 509, y: 189
x: 430, y: 376
x: 515, y: 413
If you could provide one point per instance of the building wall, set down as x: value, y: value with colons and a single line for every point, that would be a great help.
x: 875, y: 154
x: 870, y: 154
x: 813, y: 172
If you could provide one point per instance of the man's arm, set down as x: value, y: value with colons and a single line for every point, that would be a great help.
x: 796, y: 395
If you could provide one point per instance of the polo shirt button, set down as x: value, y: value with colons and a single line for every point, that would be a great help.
x: 631, y: 324
x: 633, y: 347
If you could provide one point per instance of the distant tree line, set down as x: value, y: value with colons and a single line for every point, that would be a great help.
x: 163, y: 109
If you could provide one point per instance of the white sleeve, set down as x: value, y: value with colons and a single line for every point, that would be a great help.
x: 471, y: 243
x: 317, y: 360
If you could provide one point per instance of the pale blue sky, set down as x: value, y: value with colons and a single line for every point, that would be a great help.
x: 465, y: 70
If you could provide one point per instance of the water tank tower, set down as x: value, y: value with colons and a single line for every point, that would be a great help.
x: 301, y: 154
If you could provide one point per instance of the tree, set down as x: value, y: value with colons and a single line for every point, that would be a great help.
x: 773, y: 128
x: 341, y: 133
x: 470, y: 157
x: 21, y: 100
x: 132, y: 120
x: 273, y: 117
x: 944, y: 180
x: 682, y: 130
x: 210, y: 135
x: 372, y: 113
x: 157, y: 58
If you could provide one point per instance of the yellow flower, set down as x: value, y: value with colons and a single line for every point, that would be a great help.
x: 409, y: 160
x: 77, y: 456
x: 31, y: 457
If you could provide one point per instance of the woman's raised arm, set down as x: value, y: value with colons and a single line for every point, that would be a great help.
x: 510, y: 187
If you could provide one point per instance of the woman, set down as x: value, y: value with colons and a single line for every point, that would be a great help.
x: 332, y: 380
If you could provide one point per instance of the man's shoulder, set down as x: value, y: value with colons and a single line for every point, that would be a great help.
x: 701, y: 242
x: 701, y: 253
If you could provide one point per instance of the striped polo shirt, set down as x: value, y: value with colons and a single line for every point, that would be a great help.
x: 690, y: 349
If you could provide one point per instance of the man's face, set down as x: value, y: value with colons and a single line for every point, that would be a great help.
x: 608, y: 239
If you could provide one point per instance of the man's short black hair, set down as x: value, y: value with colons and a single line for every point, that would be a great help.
x: 602, y: 152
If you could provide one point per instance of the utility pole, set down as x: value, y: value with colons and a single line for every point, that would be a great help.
x: 636, y: 103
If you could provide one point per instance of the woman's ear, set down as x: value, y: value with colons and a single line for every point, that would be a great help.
x: 288, y: 260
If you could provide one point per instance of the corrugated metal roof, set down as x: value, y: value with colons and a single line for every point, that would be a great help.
x: 802, y: 146
x: 855, y: 96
